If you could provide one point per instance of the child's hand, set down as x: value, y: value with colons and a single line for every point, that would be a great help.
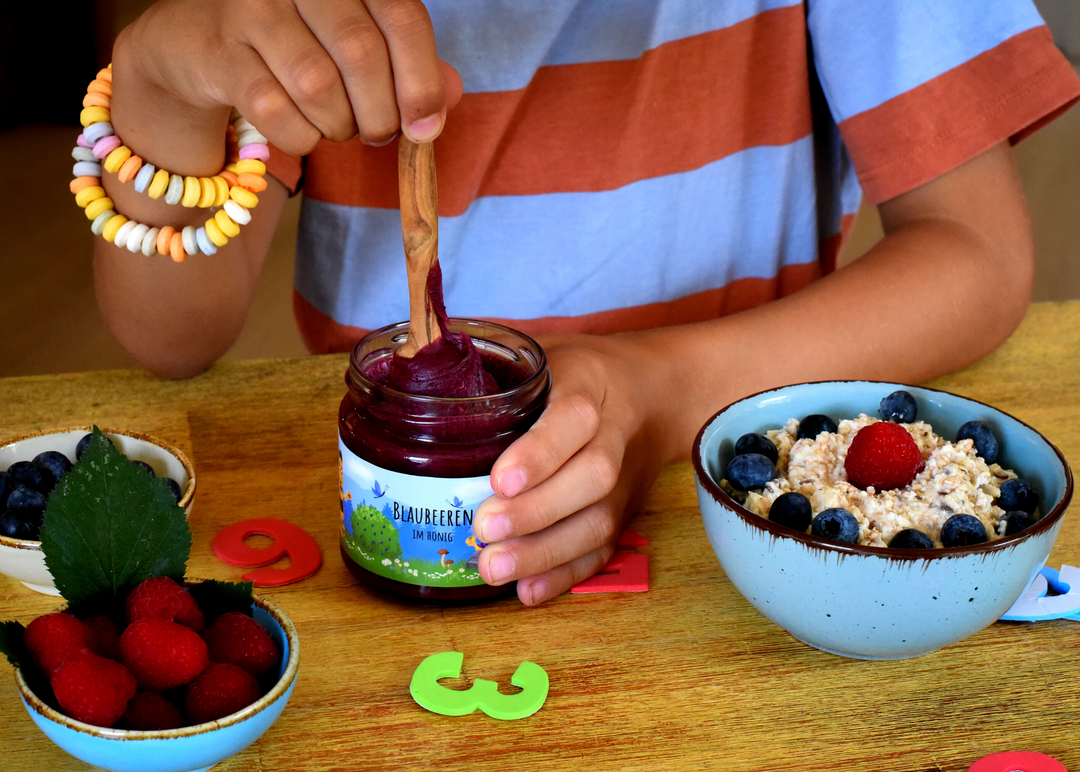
x: 299, y: 70
x: 566, y: 488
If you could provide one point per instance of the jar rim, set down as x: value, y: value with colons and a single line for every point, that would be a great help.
x: 397, y: 333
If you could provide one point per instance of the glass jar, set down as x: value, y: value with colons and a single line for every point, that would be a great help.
x: 414, y: 468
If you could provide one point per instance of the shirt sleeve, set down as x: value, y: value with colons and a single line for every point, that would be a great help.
x: 917, y: 87
x: 287, y: 169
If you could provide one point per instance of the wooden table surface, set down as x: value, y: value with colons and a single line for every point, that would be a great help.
x: 685, y: 676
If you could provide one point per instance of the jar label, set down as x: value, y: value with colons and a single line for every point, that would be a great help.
x: 410, y: 528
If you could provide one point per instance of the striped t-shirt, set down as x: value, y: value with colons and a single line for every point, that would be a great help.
x: 623, y: 164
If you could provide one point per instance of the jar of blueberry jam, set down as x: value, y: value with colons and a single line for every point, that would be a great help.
x: 414, y: 468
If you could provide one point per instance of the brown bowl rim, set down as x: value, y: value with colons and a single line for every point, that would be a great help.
x: 185, y: 499
x: 292, y: 667
x: 819, y: 542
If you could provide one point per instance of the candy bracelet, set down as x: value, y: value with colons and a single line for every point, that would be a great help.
x: 231, y: 192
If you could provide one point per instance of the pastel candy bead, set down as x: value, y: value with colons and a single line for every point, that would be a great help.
x: 142, y: 179
x: 228, y: 227
x: 135, y: 238
x: 175, y: 189
x: 86, y: 195
x: 106, y: 145
x: 98, y: 86
x: 250, y: 166
x: 94, y: 114
x: 149, y: 242
x: 215, y: 234
x: 97, y: 100
x: 207, y: 193
x: 164, y: 236
x: 237, y: 213
x: 192, y: 192
x: 122, y: 233
x: 241, y: 124
x: 99, y: 222
x: 129, y: 169
x: 176, y: 247
x: 157, y: 186
x: 86, y: 169
x: 79, y: 183
x: 204, y: 242
x: 81, y: 141
x: 97, y: 206
x: 254, y: 151
x: 105, y: 74
x: 229, y: 177
x: 187, y: 238
x: 97, y: 131
x: 116, y: 159
x: 221, y: 189
x: 244, y: 197
x: 112, y: 226
x: 255, y: 183
x: 83, y: 154
x: 249, y: 137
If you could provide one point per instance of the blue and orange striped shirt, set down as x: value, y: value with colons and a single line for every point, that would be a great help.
x: 623, y: 164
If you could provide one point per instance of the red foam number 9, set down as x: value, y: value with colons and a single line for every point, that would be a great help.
x: 304, y: 554
x: 1017, y: 761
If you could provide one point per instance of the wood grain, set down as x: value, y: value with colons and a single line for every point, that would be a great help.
x: 419, y: 194
x: 685, y: 676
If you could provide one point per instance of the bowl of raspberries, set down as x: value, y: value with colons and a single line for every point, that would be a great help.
x: 33, y: 465
x: 142, y: 669
x: 174, y: 683
x: 878, y: 520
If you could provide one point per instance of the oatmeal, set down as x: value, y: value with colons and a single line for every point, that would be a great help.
x: 953, y: 480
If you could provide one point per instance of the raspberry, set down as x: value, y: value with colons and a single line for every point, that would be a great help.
x: 52, y: 638
x: 104, y: 637
x: 149, y: 710
x: 237, y: 638
x: 93, y: 689
x: 883, y: 456
x: 223, y: 688
x: 163, y: 598
x: 162, y: 654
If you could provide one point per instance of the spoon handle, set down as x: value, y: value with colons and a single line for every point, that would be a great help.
x: 420, y: 233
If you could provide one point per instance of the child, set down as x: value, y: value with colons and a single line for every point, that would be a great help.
x: 655, y: 189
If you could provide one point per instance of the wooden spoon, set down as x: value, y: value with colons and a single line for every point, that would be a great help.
x: 420, y: 232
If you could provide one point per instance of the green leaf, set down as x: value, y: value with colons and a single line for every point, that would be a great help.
x: 109, y: 525
x: 11, y: 644
x: 216, y: 598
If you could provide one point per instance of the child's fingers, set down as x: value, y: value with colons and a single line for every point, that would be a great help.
x: 359, y: 56
x: 534, y: 590
x: 419, y: 83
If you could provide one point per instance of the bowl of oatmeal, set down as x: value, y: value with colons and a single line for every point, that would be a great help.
x: 890, y: 571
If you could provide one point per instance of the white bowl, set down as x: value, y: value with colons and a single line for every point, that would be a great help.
x: 185, y: 749
x: 23, y: 559
x: 874, y: 602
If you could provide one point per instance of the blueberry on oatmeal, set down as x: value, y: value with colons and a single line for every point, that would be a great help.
x: 836, y: 524
x: 898, y: 407
x: 911, y: 539
x: 813, y: 425
x: 962, y: 531
x: 756, y: 443
x: 986, y: 444
x: 1017, y: 520
x: 1018, y: 494
x: 793, y: 510
x: 750, y: 471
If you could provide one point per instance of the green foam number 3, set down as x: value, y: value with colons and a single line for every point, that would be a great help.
x: 430, y: 694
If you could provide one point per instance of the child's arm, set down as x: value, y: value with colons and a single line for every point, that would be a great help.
x: 298, y: 71
x: 949, y: 282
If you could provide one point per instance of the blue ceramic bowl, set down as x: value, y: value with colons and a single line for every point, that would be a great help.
x: 874, y: 602
x: 189, y: 748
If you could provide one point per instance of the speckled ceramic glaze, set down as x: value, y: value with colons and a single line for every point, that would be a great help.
x: 188, y: 749
x: 873, y: 602
x: 24, y: 560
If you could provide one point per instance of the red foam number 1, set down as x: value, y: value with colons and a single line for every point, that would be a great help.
x: 305, y: 557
